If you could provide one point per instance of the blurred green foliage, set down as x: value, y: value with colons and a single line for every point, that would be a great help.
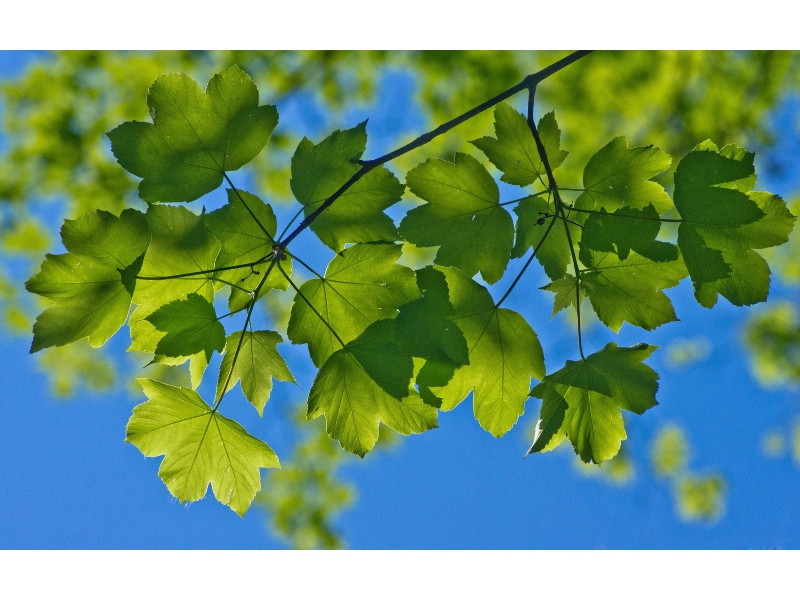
x: 56, y: 114
x: 698, y: 497
x: 773, y: 338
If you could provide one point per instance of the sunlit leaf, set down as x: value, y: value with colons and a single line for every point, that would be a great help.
x: 462, y: 216
x: 195, y: 138
x: 199, y: 445
x: 504, y: 354
x: 92, y: 285
x: 723, y: 221
x: 366, y: 383
x: 594, y: 390
x: 318, y: 171
x: 257, y: 363
x: 361, y: 285
x: 514, y: 151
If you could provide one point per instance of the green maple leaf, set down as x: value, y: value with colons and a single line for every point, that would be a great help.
x: 583, y: 401
x: 618, y: 176
x: 367, y: 383
x: 361, y: 285
x: 92, y: 285
x: 424, y: 327
x: 256, y: 365
x: 462, y: 216
x: 199, y: 445
x: 180, y: 244
x: 318, y: 171
x: 627, y: 229
x: 246, y: 229
x: 190, y: 326
x: 514, y: 151
x: 553, y: 254
x: 565, y: 292
x: 631, y: 289
x: 195, y: 138
x: 504, y: 353
x: 723, y: 222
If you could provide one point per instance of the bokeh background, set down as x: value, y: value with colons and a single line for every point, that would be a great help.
x: 715, y: 465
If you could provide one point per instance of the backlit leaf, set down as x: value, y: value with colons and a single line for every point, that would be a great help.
x: 318, y: 171
x: 92, y: 285
x: 361, y: 285
x: 256, y: 365
x: 246, y: 229
x: 194, y: 137
x: 199, y: 445
x: 618, y: 176
x: 367, y: 383
x: 504, y: 353
x: 190, y: 326
x: 462, y: 216
x: 594, y: 390
x: 514, y: 151
x: 723, y: 221
x: 553, y: 254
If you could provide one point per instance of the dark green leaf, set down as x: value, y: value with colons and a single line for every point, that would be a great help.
x: 595, y: 389
x: 246, y: 229
x: 724, y: 221
x: 627, y: 229
x: 463, y: 216
x: 190, y: 326
x: 514, y: 151
x: 366, y: 383
x: 195, y: 137
x: 318, y: 171
x: 199, y: 445
x: 180, y: 244
x: 553, y: 254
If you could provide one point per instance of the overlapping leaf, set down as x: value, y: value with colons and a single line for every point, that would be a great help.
x: 257, y: 363
x: 514, y: 151
x: 318, y: 171
x: 199, y: 445
x: 92, y: 285
x: 194, y: 137
x: 180, y: 245
x: 424, y: 327
x: 246, y: 229
x: 553, y: 253
x: 462, y: 216
x: 504, y: 353
x: 723, y: 221
x: 361, y: 285
x: 618, y: 177
x: 630, y: 289
x: 583, y: 401
x: 366, y: 383
x: 189, y: 326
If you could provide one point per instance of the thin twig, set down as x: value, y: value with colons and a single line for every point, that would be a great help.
x: 368, y: 165
x: 559, y: 208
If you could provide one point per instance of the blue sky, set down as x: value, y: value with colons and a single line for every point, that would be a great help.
x: 69, y: 480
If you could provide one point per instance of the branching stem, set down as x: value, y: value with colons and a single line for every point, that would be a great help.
x: 528, y: 83
x: 559, y: 209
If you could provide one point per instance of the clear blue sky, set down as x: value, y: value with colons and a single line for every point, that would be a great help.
x: 69, y: 480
